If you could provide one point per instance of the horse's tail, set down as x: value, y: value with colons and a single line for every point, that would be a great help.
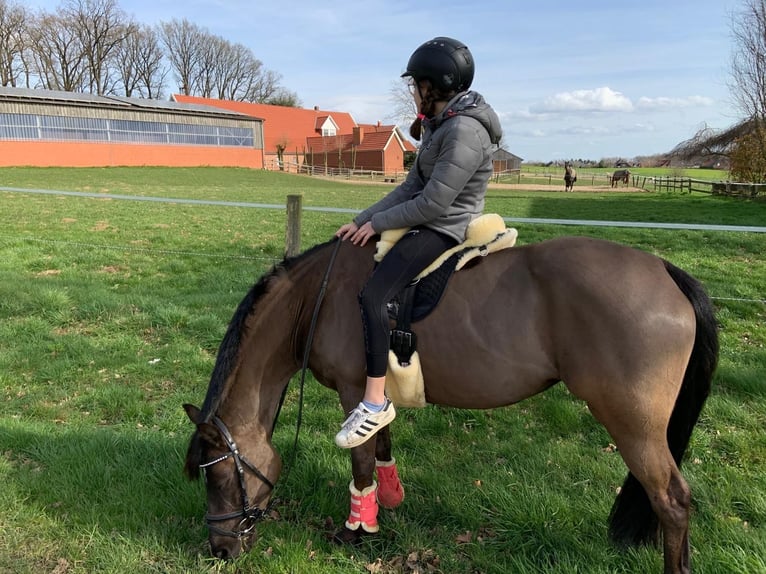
x: 632, y: 520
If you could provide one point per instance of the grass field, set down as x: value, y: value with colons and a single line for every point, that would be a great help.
x: 111, y: 313
x: 600, y: 176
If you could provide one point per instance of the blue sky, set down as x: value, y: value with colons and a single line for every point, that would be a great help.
x: 575, y: 79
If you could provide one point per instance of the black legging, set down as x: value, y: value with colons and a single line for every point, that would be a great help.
x: 409, y: 256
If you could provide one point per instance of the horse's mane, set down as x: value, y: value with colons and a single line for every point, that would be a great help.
x: 228, y: 351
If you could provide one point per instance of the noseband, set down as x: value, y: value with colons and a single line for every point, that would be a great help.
x: 250, y: 514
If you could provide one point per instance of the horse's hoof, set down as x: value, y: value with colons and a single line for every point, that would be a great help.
x: 344, y: 536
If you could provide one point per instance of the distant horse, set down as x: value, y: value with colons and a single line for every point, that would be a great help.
x: 570, y: 177
x: 621, y: 175
x: 627, y: 332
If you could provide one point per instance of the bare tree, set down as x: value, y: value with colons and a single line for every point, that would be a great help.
x: 403, y: 110
x: 748, y: 61
x: 139, y: 63
x: 58, y: 57
x: 13, y: 21
x: 236, y: 69
x: 748, y: 75
x: 182, y: 41
x: 101, y: 26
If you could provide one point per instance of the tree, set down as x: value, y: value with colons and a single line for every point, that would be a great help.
x: 748, y: 79
x: 139, y: 63
x: 283, y: 97
x: 13, y: 21
x: 182, y: 41
x: 748, y: 60
x: 102, y: 27
x: 210, y: 66
x: 748, y: 162
x: 403, y: 110
x: 58, y: 58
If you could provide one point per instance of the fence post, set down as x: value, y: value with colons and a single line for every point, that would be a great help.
x: 293, y: 231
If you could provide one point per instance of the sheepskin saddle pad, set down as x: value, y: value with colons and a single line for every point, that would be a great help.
x: 486, y: 234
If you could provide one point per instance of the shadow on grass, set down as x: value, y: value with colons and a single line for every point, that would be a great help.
x: 124, y: 482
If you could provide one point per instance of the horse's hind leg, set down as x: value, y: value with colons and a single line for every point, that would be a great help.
x: 653, y: 466
x: 641, y: 438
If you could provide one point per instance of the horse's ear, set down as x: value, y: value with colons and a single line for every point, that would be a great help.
x: 206, y: 431
x: 192, y: 412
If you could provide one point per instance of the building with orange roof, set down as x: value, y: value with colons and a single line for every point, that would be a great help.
x: 319, y: 138
x: 372, y: 147
x: 54, y: 128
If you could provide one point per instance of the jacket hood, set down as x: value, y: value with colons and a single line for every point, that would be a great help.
x: 471, y: 104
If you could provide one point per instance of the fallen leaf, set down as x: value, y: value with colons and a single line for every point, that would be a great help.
x: 464, y: 538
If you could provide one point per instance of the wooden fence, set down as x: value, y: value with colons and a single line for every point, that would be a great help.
x: 688, y: 185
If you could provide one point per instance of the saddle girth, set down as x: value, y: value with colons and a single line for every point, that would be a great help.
x: 404, y: 342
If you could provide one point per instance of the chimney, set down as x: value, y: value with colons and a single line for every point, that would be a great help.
x: 316, y: 108
x: 358, y: 135
x: 378, y: 123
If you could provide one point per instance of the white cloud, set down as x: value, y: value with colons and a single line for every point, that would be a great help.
x: 599, y: 100
x: 669, y: 103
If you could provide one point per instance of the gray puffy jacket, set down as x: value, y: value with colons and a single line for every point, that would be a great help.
x: 445, y: 188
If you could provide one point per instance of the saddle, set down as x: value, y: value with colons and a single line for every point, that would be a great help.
x: 404, y: 380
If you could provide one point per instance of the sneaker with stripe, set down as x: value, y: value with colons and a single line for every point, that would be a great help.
x: 361, y: 425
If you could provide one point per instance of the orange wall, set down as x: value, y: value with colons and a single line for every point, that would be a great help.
x: 76, y: 154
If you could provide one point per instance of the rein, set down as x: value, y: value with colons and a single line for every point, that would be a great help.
x: 251, y: 515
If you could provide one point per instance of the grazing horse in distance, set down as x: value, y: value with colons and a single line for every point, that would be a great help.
x: 621, y: 175
x: 570, y: 177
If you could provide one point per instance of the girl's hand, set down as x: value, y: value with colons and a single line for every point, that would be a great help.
x: 363, y: 234
x: 357, y: 235
x: 346, y: 230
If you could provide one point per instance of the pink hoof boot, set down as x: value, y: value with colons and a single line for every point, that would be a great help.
x: 364, y: 509
x: 390, y: 491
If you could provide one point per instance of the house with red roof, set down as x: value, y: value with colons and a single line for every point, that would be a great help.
x: 322, y: 139
x: 373, y: 147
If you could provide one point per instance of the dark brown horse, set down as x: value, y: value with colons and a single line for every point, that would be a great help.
x: 621, y: 175
x: 570, y: 177
x: 627, y: 332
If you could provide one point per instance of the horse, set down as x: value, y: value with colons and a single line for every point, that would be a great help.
x: 570, y: 177
x: 621, y: 175
x: 627, y: 332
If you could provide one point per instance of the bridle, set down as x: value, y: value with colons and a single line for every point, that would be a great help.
x: 251, y: 515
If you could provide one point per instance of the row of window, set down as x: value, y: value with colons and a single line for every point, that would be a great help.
x: 40, y: 127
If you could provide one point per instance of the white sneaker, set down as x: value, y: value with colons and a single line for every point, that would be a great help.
x: 361, y: 425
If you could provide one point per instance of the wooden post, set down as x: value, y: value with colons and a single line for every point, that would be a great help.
x: 293, y: 231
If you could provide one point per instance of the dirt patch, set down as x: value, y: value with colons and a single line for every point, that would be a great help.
x: 560, y: 188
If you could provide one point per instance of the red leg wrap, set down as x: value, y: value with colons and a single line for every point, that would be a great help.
x: 390, y: 490
x: 364, y: 509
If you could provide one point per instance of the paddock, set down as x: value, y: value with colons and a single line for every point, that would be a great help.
x: 114, y: 308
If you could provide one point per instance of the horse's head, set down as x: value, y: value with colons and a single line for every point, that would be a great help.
x: 239, y: 476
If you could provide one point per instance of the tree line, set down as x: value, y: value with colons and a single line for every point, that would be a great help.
x: 93, y: 46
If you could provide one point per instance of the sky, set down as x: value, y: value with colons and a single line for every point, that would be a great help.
x: 587, y: 79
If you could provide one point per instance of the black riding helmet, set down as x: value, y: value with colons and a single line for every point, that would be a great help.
x: 446, y: 62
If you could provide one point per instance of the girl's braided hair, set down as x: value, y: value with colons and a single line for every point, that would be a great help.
x: 428, y: 101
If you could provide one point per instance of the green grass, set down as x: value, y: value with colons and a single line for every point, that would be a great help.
x: 110, y: 316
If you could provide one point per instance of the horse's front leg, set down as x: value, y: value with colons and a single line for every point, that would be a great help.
x: 363, y: 516
x: 367, y: 459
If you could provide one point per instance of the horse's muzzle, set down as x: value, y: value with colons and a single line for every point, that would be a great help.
x: 229, y: 548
